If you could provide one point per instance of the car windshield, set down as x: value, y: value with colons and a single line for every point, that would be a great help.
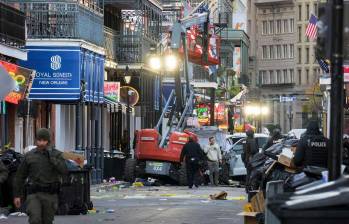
x: 239, y: 147
x: 261, y: 141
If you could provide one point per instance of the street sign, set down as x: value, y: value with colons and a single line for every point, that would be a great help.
x: 287, y: 98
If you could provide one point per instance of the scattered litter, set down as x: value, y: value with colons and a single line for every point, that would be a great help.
x: 93, y: 211
x: 18, y: 214
x: 219, y: 196
x: 110, y: 211
x: 138, y: 184
x: 240, y: 198
x: 205, y: 201
x: 2, y: 216
x: 153, y: 190
x: 160, y: 209
x: 135, y: 197
x: 168, y: 195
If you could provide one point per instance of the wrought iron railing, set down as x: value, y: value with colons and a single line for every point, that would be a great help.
x: 77, y: 19
x: 110, y: 44
x: 12, y: 26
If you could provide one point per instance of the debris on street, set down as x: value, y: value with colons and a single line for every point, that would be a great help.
x: 219, y: 196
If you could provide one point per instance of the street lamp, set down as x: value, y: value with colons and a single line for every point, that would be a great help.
x: 168, y: 62
x: 257, y: 111
x: 127, y: 79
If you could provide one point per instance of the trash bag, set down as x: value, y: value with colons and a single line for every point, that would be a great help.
x: 274, y: 151
x: 257, y: 160
x: 297, y: 180
x: 11, y: 159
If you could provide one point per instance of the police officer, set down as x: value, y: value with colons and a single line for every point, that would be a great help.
x: 43, y: 166
x: 273, y: 139
x: 312, y: 149
x: 250, y: 149
x: 193, y: 155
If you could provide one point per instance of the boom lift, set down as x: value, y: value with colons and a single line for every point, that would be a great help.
x: 160, y: 155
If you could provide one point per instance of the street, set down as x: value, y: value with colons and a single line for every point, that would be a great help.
x: 168, y: 204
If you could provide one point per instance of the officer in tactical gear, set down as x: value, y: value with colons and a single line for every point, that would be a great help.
x: 312, y: 149
x: 43, y: 166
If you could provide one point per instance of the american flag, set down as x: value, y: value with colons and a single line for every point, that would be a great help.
x: 311, y: 31
x: 323, y: 65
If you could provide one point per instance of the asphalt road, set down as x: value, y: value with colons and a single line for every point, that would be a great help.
x: 170, y: 205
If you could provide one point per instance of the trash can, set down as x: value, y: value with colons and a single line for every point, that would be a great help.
x: 322, y: 215
x: 74, y: 197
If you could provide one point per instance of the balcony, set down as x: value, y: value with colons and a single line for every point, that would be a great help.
x: 70, y: 19
x: 268, y: 2
x: 132, y: 48
x: 110, y: 44
x: 12, y: 26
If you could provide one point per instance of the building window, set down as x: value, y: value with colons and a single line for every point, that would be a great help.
x: 265, y: 27
x: 278, y: 26
x: 291, y: 25
x: 292, y: 75
x: 271, y: 52
x: 307, y: 55
x: 291, y: 51
x: 299, y: 33
x: 272, y: 77
x: 299, y: 77
x: 315, y: 9
x: 299, y: 55
x: 285, y: 77
x: 264, y: 52
x: 315, y: 73
x: 278, y: 51
x: 262, y: 77
x: 285, y: 51
x: 278, y: 76
x: 308, y: 12
x: 307, y: 75
x: 285, y: 26
x: 299, y: 12
x: 271, y: 26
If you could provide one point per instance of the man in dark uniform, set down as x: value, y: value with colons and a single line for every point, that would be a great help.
x: 43, y: 166
x: 273, y: 139
x: 3, y: 178
x: 250, y: 149
x: 193, y: 155
x: 312, y: 149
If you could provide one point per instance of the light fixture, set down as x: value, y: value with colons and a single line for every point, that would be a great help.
x: 127, y: 77
x: 127, y: 22
x: 171, y: 62
x: 155, y: 62
x: 132, y: 25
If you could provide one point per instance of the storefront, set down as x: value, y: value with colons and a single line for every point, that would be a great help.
x: 68, y: 87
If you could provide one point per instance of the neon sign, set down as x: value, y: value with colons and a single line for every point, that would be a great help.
x: 22, y: 76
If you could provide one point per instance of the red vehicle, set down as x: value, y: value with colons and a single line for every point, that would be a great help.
x: 152, y: 160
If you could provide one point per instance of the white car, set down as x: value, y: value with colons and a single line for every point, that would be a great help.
x: 236, y: 165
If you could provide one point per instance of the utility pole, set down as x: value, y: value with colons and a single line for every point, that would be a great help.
x: 337, y: 93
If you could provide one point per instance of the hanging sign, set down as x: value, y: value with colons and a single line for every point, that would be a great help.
x: 23, y: 79
x: 112, y: 91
